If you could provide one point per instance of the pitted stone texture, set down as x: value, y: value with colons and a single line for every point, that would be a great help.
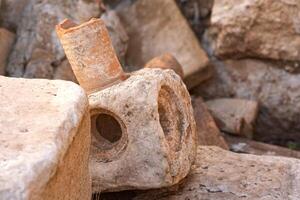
x: 44, y: 140
x: 219, y: 175
x: 157, y: 27
x: 158, y: 141
x: 254, y: 28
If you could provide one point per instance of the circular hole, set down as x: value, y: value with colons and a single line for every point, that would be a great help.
x: 108, y: 128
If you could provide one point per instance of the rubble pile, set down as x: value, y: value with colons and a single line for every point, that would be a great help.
x: 156, y: 99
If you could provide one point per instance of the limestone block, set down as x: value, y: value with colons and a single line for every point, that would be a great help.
x: 219, y: 174
x: 45, y: 140
x: 208, y: 132
x: 143, y: 130
x: 157, y: 27
x: 256, y: 28
x: 6, y: 41
x: 235, y: 116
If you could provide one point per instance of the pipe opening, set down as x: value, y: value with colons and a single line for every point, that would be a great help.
x: 108, y: 128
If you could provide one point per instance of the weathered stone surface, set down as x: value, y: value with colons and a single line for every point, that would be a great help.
x: 36, y: 33
x: 244, y: 145
x: 6, y: 41
x: 117, y: 33
x: 157, y: 27
x: 219, y: 175
x: 277, y: 91
x: 208, y: 132
x: 235, y: 116
x: 254, y: 28
x: 143, y: 132
x: 44, y: 140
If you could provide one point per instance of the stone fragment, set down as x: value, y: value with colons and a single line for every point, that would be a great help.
x: 36, y: 30
x: 143, y: 130
x: 6, y: 41
x: 166, y: 61
x: 219, y: 175
x: 156, y: 27
x: 65, y: 72
x: 208, y: 132
x: 45, y: 140
x: 244, y: 145
x: 117, y: 33
x: 235, y: 116
x: 144, y: 133
x: 277, y: 91
x: 254, y: 28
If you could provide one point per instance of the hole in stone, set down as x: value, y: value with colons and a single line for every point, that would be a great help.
x: 171, y: 117
x: 108, y: 128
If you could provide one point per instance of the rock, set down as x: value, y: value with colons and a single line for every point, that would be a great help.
x: 253, y: 28
x: 6, y: 41
x: 235, y: 116
x: 117, y: 33
x: 244, y: 145
x: 36, y: 30
x: 11, y: 12
x: 153, y: 133
x: 44, y: 140
x: 219, y: 174
x: 277, y: 91
x: 157, y: 27
x: 208, y: 132
x: 65, y: 72
x: 166, y: 61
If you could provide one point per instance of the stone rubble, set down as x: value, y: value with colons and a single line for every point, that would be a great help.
x: 235, y: 116
x: 157, y: 27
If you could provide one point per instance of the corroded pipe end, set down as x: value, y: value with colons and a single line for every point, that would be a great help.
x: 166, y: 61
x: 90, y: 52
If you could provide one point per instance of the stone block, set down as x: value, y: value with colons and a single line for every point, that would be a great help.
x: 45, y: 140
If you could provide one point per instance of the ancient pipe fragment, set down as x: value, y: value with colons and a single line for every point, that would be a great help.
x: 143, y: 129
x: 90, y: 53
x: 166, y: 61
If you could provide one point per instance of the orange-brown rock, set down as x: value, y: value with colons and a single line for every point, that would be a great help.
x: 166, y: 61
x: 208, y: 132
x: 45, y: 140
x: 6, y: 41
